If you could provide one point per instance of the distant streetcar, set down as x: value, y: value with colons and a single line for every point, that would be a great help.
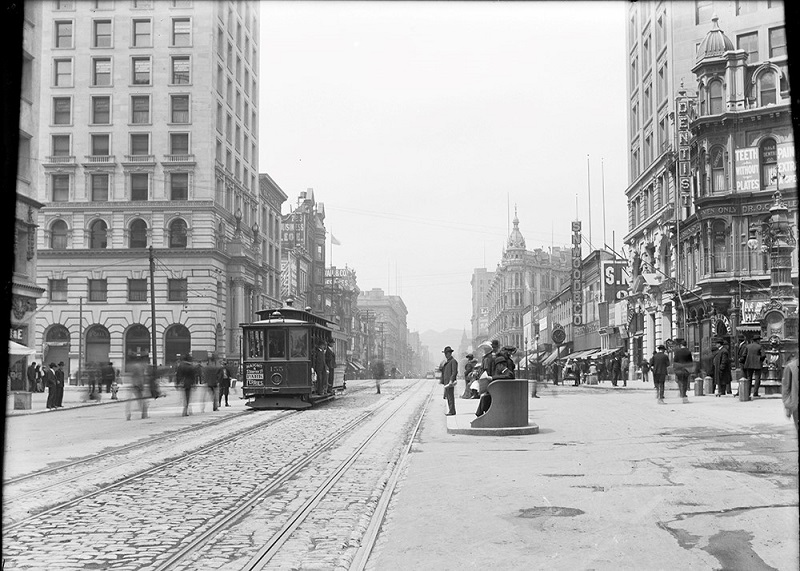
x: 281, y: 354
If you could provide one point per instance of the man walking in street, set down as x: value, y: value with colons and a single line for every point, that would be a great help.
x: 330, y: 364
x: 378, y: 371
x: 185, y: 378
x: 449, y: 375
x: 790, y: 390
x: 752, y: 361
x: 683, y: 363
x: 224, y: 380
x: 660, y: 363
x: 107, y: 376
x: 209, y: 372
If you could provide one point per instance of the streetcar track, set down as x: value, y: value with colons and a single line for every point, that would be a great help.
x: 370, y: 537
x: 273, y: 546
x: 290, y: 471
x: 201, y: 450
x: 93, y: 459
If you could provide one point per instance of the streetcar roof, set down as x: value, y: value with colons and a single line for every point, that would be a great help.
x: 279, y: 320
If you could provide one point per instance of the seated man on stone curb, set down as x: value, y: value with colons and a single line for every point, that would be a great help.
x: 501, y: 371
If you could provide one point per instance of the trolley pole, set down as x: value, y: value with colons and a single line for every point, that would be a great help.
x: 153, y: 309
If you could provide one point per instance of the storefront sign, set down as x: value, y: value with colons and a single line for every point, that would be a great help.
x: 615, y: 280
x: 577, y: 275
x: 19, y: 335
x: 751, y: 310
x: 684, y: 166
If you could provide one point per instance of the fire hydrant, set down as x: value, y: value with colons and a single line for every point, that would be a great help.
x: 114, y: 390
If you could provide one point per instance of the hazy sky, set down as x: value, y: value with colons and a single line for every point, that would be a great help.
x: 417, y: 124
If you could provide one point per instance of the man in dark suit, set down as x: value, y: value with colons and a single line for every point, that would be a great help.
x: 721, y: 368
x: 683, y: 363
x: 59, y: 398
x: 660, y: 364
x: 449, y: 375
x: 330, y: 364
x: 753, y: 359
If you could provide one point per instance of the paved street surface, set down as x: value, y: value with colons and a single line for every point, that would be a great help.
x: 612, y: 481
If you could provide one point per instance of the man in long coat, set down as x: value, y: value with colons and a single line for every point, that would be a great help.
x: 722, y: 368
x: 660, y: 364
x: 50, y: 383
x: 449, y: 375
x: 683, y: 363
x: 753, y: 360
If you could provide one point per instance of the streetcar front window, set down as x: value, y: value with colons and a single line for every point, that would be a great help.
x: 277, y: 344
x: 298, y: 344
x: 255, y: 344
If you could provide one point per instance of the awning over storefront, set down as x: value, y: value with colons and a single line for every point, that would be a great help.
x: 749, y: 327
x: 355, y: 365
x: 532, y: 358
x: 18, y: 350
x: 555, y: 354
x: 604, y: 352
x: 582, y: 354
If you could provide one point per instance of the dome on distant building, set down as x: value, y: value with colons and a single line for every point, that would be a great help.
x: 715, y: 43
x: 515, y: 239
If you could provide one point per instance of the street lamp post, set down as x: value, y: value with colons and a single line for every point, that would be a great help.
x: 778, y: 317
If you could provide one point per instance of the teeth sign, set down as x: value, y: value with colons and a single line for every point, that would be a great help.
x: 577, y: 275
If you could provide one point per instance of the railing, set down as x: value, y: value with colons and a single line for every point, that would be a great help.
x: 179, y: 158
x: 99, y: 159
x: 140, y: 159
x: 61, y: 159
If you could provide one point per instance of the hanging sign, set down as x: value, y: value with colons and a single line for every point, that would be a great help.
x: 577, y: 275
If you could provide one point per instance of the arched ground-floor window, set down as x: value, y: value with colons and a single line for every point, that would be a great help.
x: 177, y: 342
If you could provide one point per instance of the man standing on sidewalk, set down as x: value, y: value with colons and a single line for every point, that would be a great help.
x: 50, y: 383
x: 185, y: 378
x: 683, y: 363
x: 59, y: 385
x: 790, y: 390
x: 660, y: 363
x: 449, y: 374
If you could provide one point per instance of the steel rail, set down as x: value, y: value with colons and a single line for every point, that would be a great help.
x: 290, y: 471
x: 202, y: 450
x: 370, y: 537
x: 101, y: 455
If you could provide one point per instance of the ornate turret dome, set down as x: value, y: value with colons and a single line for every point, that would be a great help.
x: 715, y: 43
x: 515, y: 239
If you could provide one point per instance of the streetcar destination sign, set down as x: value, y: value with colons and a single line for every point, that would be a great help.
x: 254, y: 374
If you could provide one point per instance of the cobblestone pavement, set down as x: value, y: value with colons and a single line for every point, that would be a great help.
x: 134, y: 525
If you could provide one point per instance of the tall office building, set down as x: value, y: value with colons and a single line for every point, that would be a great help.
x: 678, y: 80
x: 148, y: 122
x: 25, y: 293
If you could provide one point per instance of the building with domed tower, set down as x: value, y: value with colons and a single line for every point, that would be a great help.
x: 743, y: 165
x: 702, y: 102
x: 522, y: 279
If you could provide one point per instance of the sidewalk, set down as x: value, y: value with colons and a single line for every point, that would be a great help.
x: 611, y: 481
x: 74, y: 397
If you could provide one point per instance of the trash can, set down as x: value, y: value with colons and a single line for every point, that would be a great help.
x: 22, y: 400
x: 744, y: 390
x: 698, y: 387
x: 709, y: 385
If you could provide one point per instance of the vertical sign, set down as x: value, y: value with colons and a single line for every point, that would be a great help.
x: 577, y: 276
x: 684, y: 166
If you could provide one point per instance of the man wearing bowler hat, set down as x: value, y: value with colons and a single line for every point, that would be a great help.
x: 449, y: 374
x: 752, y: 362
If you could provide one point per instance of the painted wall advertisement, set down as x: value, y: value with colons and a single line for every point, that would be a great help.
x: 577, y: 275
x: 748, y: 166
x: 615, y: 280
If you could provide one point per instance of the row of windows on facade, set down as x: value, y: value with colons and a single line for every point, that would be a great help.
x: 713, y: 180
x: 141, y: 33
x: 177, y: 289
x: 139, y: 186
x: 137, y: 234
x: 711, y: 103
x: 704, y: 11
x: 248, y: 18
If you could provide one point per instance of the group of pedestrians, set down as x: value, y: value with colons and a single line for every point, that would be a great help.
x: 497, y: 363
x: 50, y: 377
x: 216, y: 378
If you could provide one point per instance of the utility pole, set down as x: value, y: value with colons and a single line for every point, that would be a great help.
x: 153, y: 309
x: 80, y: 342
